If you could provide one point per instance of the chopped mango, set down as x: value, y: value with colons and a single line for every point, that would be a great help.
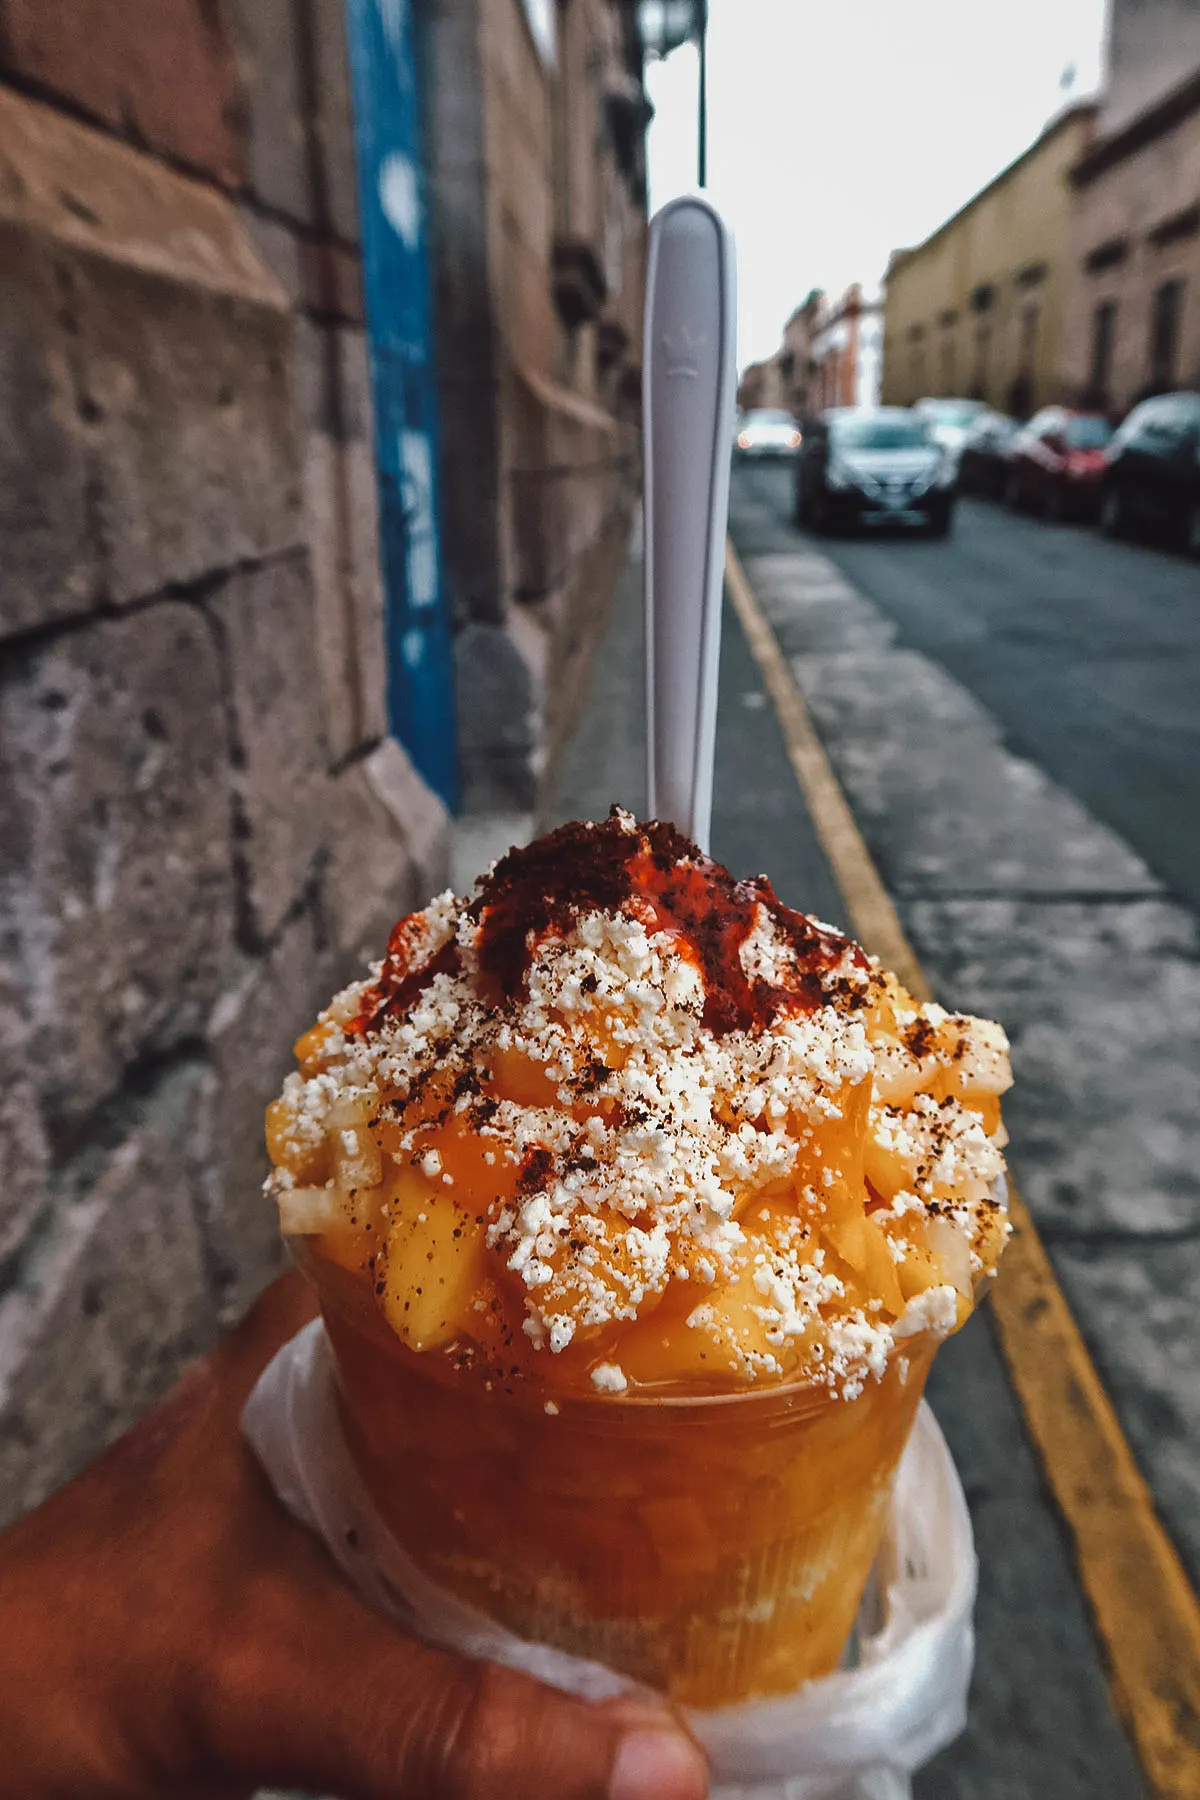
x: 432, y: 1266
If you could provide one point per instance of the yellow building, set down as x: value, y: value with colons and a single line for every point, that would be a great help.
x: 976, y: 309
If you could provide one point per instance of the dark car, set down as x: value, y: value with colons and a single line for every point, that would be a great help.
x: 874, y: 466
x: 983, y: 458
x: 1152, y: 474
x: 1056, y: 463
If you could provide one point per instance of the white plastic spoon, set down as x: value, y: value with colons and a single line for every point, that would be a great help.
x: 688, y: 389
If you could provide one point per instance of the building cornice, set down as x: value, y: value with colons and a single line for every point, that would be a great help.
x: 1155, y: 122
x: 1081, y: 112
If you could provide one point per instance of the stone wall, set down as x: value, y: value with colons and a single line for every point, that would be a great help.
x: 533, y: 155
x: 203, y: 825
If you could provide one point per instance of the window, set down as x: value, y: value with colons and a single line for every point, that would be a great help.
x: 983, y: 344
x: 879, y: 431
x: 947, y: 373
x: 1164, y: 334
x: 1106, y: 256
x: 1104, y: 331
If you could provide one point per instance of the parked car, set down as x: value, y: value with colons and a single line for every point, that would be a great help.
x: 1152, y: 473
x: 1056, y: 463
x: 983, y: 459
x: 874, y: 466
x: 767, y: 432
x: 950, y: 419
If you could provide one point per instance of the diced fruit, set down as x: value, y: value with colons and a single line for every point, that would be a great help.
x: 709, y: 1343
x: 432, y: 1267
x: 516, y: 1076
x: 605, y: 1269
x: 351, y: 1248
x: 311, y: 1048
x: 835, y: 1146
x: 308, y: 1211
x: 920, y: 1269
x: 949, y: 1244
x: 293, y: 1147
x: 357, y: 1164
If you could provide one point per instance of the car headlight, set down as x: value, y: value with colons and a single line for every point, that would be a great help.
x: 838, y: 477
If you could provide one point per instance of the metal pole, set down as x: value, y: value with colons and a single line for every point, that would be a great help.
x: 702, y: 133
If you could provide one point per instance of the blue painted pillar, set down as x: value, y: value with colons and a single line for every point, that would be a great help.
x: 385, y: 65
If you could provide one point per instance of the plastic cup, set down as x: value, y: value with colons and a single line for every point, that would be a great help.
x: 714, y: 1548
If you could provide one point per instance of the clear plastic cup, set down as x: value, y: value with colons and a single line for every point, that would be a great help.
x: 713, y: 1548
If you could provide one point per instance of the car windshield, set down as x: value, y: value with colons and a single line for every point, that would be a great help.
x: 769, y: 416
x: 1088, y: 433
x: 897, y: 431
x: 951, y: 412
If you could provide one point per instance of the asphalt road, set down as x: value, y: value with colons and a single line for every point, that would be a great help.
x: 1087, y: 652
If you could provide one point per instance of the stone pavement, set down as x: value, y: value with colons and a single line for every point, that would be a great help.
x: 1040, y: 1723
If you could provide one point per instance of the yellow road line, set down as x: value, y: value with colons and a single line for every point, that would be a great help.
x: 1146, y: 1613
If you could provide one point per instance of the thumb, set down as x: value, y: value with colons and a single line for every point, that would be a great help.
x: 335, y: 1699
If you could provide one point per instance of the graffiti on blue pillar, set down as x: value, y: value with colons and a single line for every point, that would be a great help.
x: 385, y: 63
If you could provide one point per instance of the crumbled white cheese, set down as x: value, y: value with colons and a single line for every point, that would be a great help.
x: 609, y: 1378
x: 935, y: 1310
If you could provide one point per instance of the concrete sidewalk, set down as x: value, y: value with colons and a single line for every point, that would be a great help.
x: 1041, y: 1726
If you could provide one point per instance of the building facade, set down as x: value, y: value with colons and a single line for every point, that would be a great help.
x: 978, y: 308
x: 830, y: 355
x: 845, y: 351
x: 762, y: 385
x: 1132, y: 310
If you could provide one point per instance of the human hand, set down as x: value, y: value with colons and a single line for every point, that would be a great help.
x: 166, y: 1628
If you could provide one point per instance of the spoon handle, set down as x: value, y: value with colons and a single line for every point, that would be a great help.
x: 688, y: 386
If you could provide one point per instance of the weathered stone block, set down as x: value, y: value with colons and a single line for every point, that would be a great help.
x: 362, y: 532
x: 366, y: 585
x: 333, y: 281
x: 338, y: 686
x: 23, y: 1149
x: 390, y: 851
x: 48, y: 568
x: 341, y: 519
x: 109, y: 1309
x: 277, y: 159
x: 266, y: 630
x: 281, y: 249
x: 499, y: 713
x: 166, y: 74
x: 252, y: 1030
x: 197, y: 465
x: 116, y: 892
x: 178, y: 340
x: 335, y: 116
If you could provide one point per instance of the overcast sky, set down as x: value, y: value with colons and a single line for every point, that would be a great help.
x: 838, y: 131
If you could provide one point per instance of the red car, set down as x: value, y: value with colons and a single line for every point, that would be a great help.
x: 1057, y: 462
